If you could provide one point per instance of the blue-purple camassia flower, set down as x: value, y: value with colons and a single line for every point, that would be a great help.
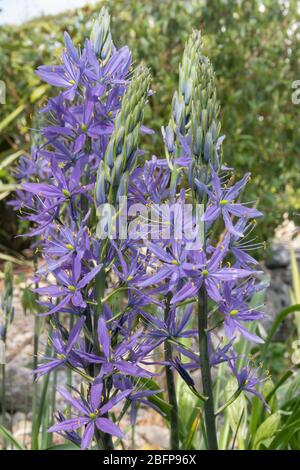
x: 69, y: 286
x: 118, y: 358
x: 222, y: 203
x: 208, y: 272
x: 64, y: 352
x: 85, y: 157
x: 236, y: 311
x: 247, y: 378
x: 90, y: 414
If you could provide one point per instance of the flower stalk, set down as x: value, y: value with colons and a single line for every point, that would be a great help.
x: 171, y: 386
x: 90, y: 152
x: 206, y: 371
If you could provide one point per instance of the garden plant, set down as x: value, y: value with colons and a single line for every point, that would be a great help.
x: 146, y: 276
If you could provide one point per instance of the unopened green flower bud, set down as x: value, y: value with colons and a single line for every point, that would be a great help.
x: 101, y: 37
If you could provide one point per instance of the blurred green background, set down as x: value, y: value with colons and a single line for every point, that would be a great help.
x: 254, y: 46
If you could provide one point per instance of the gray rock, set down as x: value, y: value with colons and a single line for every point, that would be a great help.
x: 18, y: 388
x: 278, y: 294
x: 278, y: 256
x: 154, y: 435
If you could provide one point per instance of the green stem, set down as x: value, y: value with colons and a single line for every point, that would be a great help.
x: 80, y: 372
x: 100, y: 291
x: 171, y: 387
x: 107, y: 439
x: 229, y: 402
x: 35, y: 399
x: 3, y: 400
x: 53, y: 407
x: 69, y: 373
x: 206, y: 371
x: 113, y: 292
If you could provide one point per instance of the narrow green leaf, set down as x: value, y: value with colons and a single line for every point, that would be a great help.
x: 10, y: 159
x: 15, y: 260
x: 234, y: 412
x: 193, y: 429
x: 267, y: 430
x: 38, y: 93
x: 7, y: 187
x: 8, y: 436
x: 8, y: 119
x: 36, y: 424
x: 278, y: 320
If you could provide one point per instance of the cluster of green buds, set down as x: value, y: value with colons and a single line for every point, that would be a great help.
x: 195, y: 112
x: 121, y: 153
x: 101, y: 39
x: 120, y: 157
x: 205, y: 125
x: 6, y: 306
x: 183, y: 98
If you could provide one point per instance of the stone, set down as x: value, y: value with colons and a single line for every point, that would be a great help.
x: 18, y: 388
x: 278, y: 257
x: 156, y: 436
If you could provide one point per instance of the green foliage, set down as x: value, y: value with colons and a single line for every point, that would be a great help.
x: 255, y: 54
x: 245, y: 424
x: 295, y: 293
x: 6, y: 434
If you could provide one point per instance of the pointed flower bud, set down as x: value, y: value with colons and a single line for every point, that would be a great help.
x: 124, y: 140
x: 100, y: 193
x: 101, y: 37
x: 206, y: 126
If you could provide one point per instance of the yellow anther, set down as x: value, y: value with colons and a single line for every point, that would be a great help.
x: 223, y: 202
x: 66, y: 192
x: 233, y: 312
